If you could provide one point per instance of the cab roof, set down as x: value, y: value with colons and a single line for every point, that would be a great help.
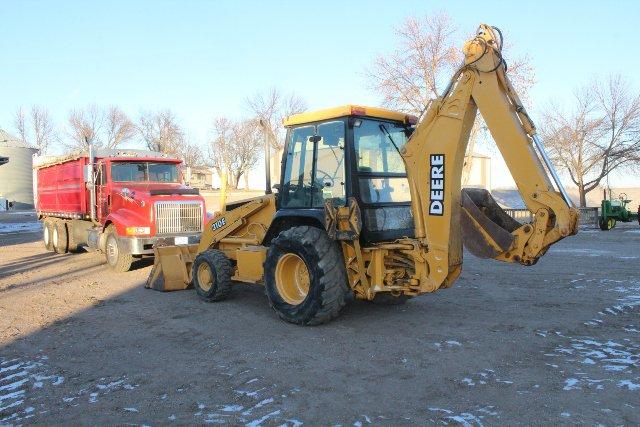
x: 348, y: 110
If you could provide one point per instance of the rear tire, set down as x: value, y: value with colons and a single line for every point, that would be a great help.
x: 315, y: 298
x: 47, y: 233
x: 211, y: 275
x: 74, y: 247
x: 606, y: 225
x: 60, y: 238
x: 116, y: 259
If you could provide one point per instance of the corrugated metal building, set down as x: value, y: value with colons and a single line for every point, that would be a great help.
x: 16, y: 176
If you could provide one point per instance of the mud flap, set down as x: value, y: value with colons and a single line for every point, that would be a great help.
x: 486, y: 228
x: 172, y: 268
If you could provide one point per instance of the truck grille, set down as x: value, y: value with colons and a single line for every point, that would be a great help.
x: 178, y: 217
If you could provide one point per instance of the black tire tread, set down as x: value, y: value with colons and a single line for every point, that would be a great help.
x: 330, y: 270
x: 223, y: 270
x: 63, y: 237
x: 74, y: 247
x: 123, y: 264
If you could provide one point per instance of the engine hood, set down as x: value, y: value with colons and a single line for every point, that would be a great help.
x: 149, y: 190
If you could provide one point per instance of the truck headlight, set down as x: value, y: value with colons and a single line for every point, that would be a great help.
x: 136, y: 231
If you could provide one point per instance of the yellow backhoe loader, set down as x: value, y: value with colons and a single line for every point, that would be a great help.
x: 370, y: 205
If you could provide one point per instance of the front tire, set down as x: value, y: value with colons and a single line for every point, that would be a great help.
x: 305, y: 276
x: 116, y: 259
x: 211, y: 275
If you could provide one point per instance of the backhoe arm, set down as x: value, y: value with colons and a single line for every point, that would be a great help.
x: 434, y: 157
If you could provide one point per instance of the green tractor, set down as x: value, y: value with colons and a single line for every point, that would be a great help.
x: 614, y: 210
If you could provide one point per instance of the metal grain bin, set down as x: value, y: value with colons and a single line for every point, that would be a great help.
x: 16, y: 176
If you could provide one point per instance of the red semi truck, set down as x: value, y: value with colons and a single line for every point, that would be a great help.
x: 120, y: 202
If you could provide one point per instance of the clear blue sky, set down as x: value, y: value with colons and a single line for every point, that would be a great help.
x: 203, y: 58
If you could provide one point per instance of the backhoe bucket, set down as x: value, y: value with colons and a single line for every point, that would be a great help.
x: 486, y: 228
x: 172, y: 268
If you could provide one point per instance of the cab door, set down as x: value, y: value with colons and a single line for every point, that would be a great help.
x: 103, y: 197
x: 314, y: 166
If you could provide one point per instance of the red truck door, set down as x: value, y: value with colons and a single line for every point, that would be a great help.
x: 102, y: 193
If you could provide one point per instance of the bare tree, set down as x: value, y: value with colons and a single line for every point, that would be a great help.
x: 601, y: 134
x: 416, y: 70
x: 102, y: 127
x: 234, y: 148
x: 191, y: 155
x: 118, y: 127
x: 20, y: 123
x: 248, y: 146
x: 37, y: 130
x: 273, y: 106
x: 161, y: 131
x: 85, y: 126
x: 427, y: 53
x: 220, y: 146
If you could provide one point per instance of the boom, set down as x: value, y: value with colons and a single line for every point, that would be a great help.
x: 434, y: 160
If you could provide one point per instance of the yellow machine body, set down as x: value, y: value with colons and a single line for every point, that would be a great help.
x: 443, y: 214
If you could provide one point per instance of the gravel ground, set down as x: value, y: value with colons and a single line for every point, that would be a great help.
x: 556, y: 343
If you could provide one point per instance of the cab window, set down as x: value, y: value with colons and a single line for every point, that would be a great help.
x: 381, y: 170
x: 314, y: 170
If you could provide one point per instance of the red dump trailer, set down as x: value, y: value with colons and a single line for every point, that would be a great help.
x: 121, y: 202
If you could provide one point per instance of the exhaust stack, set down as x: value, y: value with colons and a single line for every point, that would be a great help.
x: 91, y: 181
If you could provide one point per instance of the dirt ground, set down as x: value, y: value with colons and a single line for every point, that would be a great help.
x: 556, y: 343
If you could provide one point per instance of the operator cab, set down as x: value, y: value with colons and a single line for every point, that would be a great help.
x: 349, y: 151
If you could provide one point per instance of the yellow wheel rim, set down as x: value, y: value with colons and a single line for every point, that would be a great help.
x: 611, y: 223
x: 292, y: 279
x: 205, y: 277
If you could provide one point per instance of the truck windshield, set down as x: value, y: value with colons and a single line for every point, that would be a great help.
x: 144, y: 172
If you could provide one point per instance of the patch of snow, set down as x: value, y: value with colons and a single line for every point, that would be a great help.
x: 20, y: 227
x: 630, y: 385
x: 258, y: 422
x: 571, y: 384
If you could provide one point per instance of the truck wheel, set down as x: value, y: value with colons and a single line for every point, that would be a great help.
x: 47, y: 232
x: 211, y: 275
x: 305, y: 276
x: 74, y: 247
x: 60, y: 238
x: 117, y: 260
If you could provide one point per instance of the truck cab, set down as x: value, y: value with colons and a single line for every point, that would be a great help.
x: 144, y: 200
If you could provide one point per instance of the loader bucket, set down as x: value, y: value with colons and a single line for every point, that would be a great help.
x: 172, y: 268
x: 486, y: 228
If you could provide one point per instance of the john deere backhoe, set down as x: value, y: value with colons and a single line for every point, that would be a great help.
x: 370, y: 204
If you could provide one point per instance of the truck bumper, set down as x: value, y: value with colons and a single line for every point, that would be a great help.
x: 144, y: 245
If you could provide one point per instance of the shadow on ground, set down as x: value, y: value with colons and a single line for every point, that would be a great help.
x: 505, y: 345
